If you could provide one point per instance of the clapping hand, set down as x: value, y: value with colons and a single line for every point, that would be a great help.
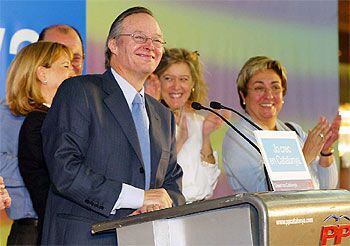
x: 213, y: 122
x: 333, y: 134
x: 321, y: 138
x: 316, y: 139
x: 5, y: 199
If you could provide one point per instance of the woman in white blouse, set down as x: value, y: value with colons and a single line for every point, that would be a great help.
x: 182, y: 83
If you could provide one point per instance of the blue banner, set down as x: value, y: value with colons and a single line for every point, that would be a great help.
x: 22, y: 21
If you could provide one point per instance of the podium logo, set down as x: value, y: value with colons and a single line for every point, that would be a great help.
x: 335, y: 232
x: 336, y: 218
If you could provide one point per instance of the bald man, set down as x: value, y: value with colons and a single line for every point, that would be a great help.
x: 70, y: 37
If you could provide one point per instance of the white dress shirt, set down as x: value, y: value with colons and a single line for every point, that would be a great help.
x: 130, y: 196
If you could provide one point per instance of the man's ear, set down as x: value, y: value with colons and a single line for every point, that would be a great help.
x: 112, y: 45
x: 41, y: 74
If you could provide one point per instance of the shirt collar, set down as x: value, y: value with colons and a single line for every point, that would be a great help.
x: 128, y: 90
x: 47, y: 105
x: 280, y: 126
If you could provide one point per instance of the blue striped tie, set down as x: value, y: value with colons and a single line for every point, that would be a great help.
x: 139, y: 114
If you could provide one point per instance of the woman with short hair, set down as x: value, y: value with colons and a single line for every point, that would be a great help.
x: 262, y: 85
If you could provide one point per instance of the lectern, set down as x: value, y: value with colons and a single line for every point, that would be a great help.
x: 315, y: 217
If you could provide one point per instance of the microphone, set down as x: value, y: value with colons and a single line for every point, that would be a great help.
x: 217, y: 105
x: 198, y: 106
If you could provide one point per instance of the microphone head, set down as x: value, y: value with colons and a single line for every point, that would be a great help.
x: 215, y: 105
x: 196, y: 106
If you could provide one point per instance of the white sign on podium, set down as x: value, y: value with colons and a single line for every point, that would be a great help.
x: 284, y: 160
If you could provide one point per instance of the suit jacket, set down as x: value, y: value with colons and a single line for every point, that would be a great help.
x: 91, y: 147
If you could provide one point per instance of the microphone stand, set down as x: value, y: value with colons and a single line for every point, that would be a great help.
x: 198, y: 106
x: 217, y: 105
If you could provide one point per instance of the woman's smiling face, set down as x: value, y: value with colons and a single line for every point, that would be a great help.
x: 264, y: 98
x: 176, y: 85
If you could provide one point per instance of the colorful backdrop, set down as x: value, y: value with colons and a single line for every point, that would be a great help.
x: 303, y: 35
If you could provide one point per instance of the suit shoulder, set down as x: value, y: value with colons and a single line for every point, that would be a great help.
x: 157, y: 105
x: 78, y: 87
x: 83, y: 80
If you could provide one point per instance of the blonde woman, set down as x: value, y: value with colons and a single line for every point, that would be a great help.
x: 181, y: 83
x: 32, y: 81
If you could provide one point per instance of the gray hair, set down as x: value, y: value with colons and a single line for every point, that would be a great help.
x: 116, y: 27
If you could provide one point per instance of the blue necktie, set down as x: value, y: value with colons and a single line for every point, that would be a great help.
x: 139, y: 114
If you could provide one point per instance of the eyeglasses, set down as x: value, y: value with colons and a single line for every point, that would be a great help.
x: 141, y: 38
x: 261, y: 90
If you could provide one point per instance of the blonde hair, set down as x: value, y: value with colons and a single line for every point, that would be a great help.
x: 255, y: 64
x: 23, y: 94
x: 177, y: 55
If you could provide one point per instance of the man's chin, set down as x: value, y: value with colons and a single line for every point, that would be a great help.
x: 148, y: 71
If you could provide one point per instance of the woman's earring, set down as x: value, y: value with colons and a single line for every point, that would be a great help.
x: 192, y: 89
x: 45, y: 82
x: 243, y: 102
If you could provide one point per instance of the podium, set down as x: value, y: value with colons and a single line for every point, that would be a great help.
x: 314, y: 217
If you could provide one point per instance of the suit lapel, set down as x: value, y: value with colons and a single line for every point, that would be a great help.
x: 156, y: 144
x: 119, y: 108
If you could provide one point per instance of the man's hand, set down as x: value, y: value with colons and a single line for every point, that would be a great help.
x: 146, y: 209
x: 155, y: 199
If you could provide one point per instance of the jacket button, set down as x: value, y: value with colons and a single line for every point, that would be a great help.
x: 142, y: 170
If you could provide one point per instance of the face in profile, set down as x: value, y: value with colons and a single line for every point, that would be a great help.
x: 137, y: 58
x: 264, y: 99
x: 53, y: 76
x: 176, y: 85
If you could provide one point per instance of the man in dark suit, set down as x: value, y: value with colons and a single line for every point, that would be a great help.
x: 102, y: 164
